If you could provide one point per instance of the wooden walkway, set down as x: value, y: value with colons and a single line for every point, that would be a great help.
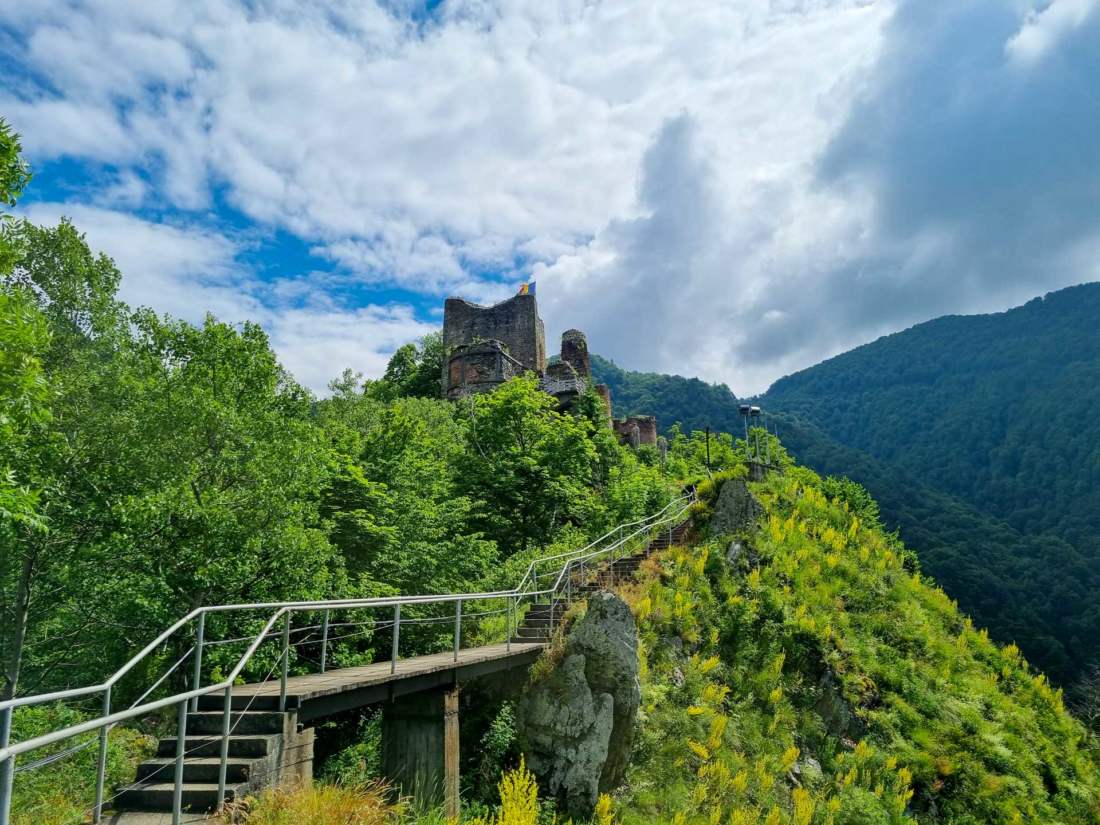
x: 320, y: 694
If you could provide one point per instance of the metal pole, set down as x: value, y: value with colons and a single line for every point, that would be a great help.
x: 7, y: 768
x: 200, y: 635
x: 286, y: 662
x: 748, y: 453
x: 708, y: 449
x: 101, y: 765
x: 324, y: 642
x: 568, y: 583
x: 508, y: 640
x: 181, y: 749
x: 396, y: 636
x: 768, y: 441
x: 458, y: 626
x: 227, y: 711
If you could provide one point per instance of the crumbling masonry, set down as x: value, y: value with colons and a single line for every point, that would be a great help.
x: 486, y: 346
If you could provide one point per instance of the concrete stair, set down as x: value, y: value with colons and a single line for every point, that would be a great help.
x: 254, y: 749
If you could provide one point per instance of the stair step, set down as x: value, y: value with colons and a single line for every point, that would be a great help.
x: 239, y: 746
x: 239, y: 723
x: 203, y: 769
x: 197, y: 796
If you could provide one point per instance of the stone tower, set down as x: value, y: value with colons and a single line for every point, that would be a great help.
x: 486, y: 346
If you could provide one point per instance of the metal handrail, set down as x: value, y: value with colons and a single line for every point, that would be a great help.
x: 283, y: 610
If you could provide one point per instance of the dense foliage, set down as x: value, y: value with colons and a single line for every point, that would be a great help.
x: 816, y: 679
x: 977, y: 436
x: 149, y: 465
x: 689, y: 402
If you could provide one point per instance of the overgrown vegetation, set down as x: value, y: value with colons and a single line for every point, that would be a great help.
x: 818, y: 679
x: 149, y: 465
x: 976, y: 435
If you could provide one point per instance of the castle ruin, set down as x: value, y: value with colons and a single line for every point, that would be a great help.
x: 486, y: 346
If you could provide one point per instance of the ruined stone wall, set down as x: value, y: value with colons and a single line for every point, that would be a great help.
x: 636, y: 430
x: 514, y: 322
x: 479, y: 367
x: 604, y: 392
x: 574, y: 351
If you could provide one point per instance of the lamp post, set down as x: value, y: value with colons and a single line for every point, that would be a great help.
x: 745, y: 409
x: 754, y: 413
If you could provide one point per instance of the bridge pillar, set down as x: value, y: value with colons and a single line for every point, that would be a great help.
x: 420, y: 747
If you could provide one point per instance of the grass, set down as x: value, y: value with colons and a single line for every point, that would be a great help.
x: 317, y: 804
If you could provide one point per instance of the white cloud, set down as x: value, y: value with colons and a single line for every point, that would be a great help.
x: 187, y: 271
x: 657, y: 164
x: 180, y: 270
x: 1043, y: 27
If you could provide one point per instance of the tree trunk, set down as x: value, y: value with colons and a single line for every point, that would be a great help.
x: 20, y: 613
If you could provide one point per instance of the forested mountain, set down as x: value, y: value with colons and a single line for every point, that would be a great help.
x: 693, y: 403
x: 978, y: 435
x: 1000, y: 410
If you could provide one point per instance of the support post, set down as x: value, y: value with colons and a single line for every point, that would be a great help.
x: 286, y: 662
x: 324, y: 641
x: 223, y: 763
x: 451, y: 798
x: 101, y: 763
x: 508, y: 636
x: 181, y: 749
x: 420, y: 748
x: 200, y: 636
x: 396, y: 636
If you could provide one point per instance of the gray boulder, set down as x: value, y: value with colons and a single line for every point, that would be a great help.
x: 576, y: 727
x: 736, y: 510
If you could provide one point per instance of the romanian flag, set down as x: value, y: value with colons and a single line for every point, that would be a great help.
x: 527, y: 289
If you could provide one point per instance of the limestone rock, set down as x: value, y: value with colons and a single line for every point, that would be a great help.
x: 736, y: 510
x: 577, y: 726
x: 836, y: 712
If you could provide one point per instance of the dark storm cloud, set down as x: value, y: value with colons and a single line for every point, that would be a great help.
x: 985, y: 150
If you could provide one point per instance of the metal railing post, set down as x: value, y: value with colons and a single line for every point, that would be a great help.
x: 7, y: 767
x: 227, y: 711
x: 458, y: 627
x: 101, y: 764
x: 568, y: 582
x: 200, y: 636
x: 181, y: 749
x: 286, y: 662
x: 324, y: 642
x: 396, y: 636
x: 508, y: 635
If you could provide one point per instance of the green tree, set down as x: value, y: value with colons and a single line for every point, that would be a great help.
x: 532, y: 466
x: 413, y: 371
x: 394, y: 507
x: 181, y: 467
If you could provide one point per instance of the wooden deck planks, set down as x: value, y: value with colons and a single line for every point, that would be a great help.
x: 314, y: 685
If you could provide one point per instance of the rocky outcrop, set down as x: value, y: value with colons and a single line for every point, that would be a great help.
x: 576, y: 727
x: 736, y: 510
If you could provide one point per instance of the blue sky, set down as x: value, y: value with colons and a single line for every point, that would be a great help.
x: 733, y: 190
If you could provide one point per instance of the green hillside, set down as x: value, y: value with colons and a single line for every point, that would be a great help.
x: 816, y: 679
x: 1000, y: 410
x: 692, y: 403
x: 979, y: 437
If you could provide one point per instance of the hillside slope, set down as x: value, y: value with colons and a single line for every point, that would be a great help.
x: 1035, y: 589
x: 812, y: 678
x: 1002, y: 410
x: 692, y: 403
